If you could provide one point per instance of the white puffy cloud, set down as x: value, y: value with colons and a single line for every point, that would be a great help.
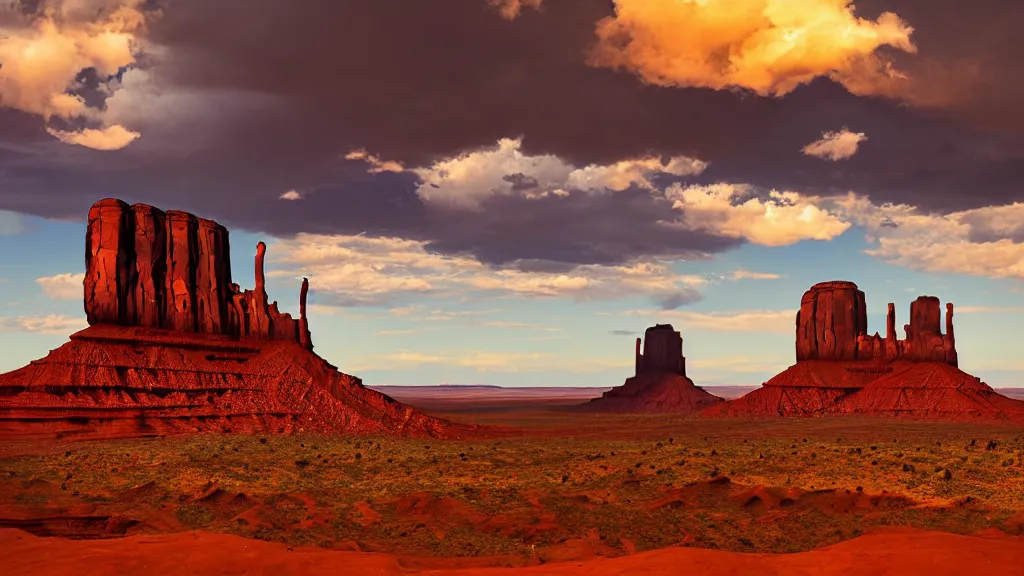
x: 466, y: 179
x: 980, y: 242
x: 66, y: 286
x: 835, y: 146
x: 358, y: 270
x: 109, y: 138
x: 49, y: 324
x: 782, y: 219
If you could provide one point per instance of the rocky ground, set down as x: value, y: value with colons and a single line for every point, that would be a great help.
x: 573, y: 487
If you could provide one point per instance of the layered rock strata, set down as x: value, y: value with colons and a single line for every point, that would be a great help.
x: 840, y: 369
x: 171, y: 270
x: 832, y: 325
x: 174, y: 346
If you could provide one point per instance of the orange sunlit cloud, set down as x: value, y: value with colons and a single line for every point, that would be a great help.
x: 42, y: 58
x: 767, y: 46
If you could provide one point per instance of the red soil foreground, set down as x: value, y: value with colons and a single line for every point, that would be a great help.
x: 898, y: 552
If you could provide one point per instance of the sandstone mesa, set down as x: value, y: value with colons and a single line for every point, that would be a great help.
x: 840, y: 369
x: 660, y: 383
x: 174, y: 346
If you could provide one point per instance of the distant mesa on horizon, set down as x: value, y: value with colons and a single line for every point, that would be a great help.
x: 174, y: 346
x: 840, y: 369
x: 659, y: 383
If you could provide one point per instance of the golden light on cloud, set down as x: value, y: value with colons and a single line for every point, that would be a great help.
x: 41, y: 58
x: 109, y: 138
x: 835, y: 146
x: 767, y: 46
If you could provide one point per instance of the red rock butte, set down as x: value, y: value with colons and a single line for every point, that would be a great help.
x: 174, y: 346
x: 840, y: 369
x: 659, y: 383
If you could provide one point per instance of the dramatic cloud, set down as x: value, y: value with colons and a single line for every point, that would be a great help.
x: 465, y: 179
x: 230, y: 122
x: 109, y: 138
x: 835, y: 145
x: 44, y: 52
x: 981, y: 242
x: 358, y: 270
x: 291, y: 195
x: 781, y: 219
x: 767, y: 46
x: 62, y: 286
x: 485, y: 190
x: 51, y: 324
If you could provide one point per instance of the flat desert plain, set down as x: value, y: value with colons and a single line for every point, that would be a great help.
x: 564, y: 493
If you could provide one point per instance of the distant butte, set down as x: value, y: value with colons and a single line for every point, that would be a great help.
x: 659, y: 383
x: 174, y: 346
x: 840, y: 369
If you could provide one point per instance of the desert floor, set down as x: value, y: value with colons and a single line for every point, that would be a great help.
x: 572, y: 494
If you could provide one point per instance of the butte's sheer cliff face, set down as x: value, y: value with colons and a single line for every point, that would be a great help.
x: 840, y: 369
x: 170, y: 270
x: 174, y: 346
x: 832, y: 324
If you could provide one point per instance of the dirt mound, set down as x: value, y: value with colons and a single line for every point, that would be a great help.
x: 651, y: 393
x: 930, y: 390
x: 115, y: 381
x: 904, y: 552
x: 808, y: 388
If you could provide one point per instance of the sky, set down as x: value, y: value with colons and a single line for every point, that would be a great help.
x: 509, y: 192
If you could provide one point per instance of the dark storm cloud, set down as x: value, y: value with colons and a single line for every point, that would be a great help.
x: 520, y: 181
x: 968, y: 60
x: 549, y: 234
x: 251, y: 99
x: 580, y: 228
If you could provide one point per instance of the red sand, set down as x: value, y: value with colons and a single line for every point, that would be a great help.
x: 897, y: 552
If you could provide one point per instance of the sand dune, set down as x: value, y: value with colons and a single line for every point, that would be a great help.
x: 898, y: 552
